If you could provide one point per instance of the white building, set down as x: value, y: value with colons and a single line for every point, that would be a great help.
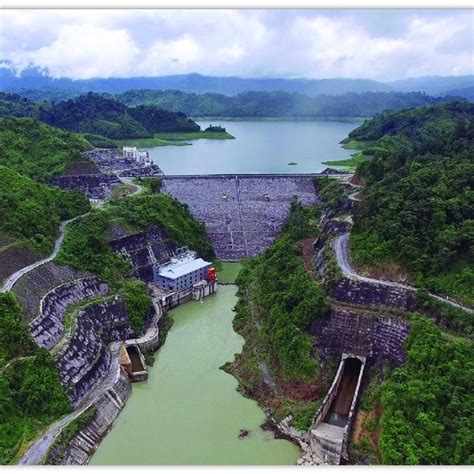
x: 130, y: 152
x: 140, y: 156
x: 182, y: 271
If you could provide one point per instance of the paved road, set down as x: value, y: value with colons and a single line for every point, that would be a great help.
x: 340, y: 245
x: 12, y: 279
x: 138, y: 188
x: 38, y: 449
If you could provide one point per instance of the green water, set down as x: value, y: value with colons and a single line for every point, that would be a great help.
x: 228, y: 272
x: 189, y: 412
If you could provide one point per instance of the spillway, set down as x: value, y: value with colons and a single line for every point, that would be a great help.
x: 330, y: 431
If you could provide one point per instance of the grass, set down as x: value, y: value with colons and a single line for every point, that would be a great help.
x: 350, y: 163
x: 356, y: 144
x: 172, y: 136
x: 149, y: 142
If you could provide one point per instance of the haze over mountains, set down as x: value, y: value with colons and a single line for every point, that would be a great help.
x: 33, y: 78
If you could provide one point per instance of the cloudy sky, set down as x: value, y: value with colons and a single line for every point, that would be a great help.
x: 377, y: 44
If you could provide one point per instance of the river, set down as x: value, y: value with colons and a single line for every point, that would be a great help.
x: 189, y: 411
x: 259, y: 147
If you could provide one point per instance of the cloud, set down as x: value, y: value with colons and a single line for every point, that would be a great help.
x: 378, y: 44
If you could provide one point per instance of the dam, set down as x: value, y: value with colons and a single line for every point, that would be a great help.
x: 243, y: 213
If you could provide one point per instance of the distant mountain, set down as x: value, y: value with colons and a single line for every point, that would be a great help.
x: 38, y: 85
x: 465, y: 93
x: 433, y: 85
x: 276, y: 104
x: 33, y: 78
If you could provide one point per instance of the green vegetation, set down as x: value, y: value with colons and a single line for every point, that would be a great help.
x: 418, y: 202
x: 276, y: 104
x: 277, y: 300
x: 332, y: 192
x: 100, y: 142
x: 33, y: 211
x: 86, y: 246
x: 361, y: 155
x: 62, y: 441
x: 455, y: 320
x: 209, y: 134
x: 30, y: 393
x: 150, y: 142
x: 288, y: 299
x: 350, y: 163
x: 153, y: 185
x: 427, y: 403
x: 37, y: 150
x: 175, y: 138
x: 99, y: 117
x: 137, y: 303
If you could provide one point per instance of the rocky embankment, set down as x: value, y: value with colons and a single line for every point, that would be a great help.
x: 143, y: 250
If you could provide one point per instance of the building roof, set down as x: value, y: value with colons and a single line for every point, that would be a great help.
x: 180, y: 268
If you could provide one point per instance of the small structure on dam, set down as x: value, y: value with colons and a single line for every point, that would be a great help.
x: 330, y: 430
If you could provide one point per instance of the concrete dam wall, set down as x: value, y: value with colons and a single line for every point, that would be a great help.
x: 242, y: 213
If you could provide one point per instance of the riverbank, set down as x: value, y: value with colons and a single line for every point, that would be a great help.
x: 174, y: 139
x: 211, y: 135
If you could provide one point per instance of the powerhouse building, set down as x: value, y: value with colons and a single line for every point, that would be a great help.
x: 183, y: 271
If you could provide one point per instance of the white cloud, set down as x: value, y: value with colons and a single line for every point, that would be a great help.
x: 84, y: 51
x: 340, y: 43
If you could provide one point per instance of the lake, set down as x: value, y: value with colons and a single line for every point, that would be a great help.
x: 259, y: 147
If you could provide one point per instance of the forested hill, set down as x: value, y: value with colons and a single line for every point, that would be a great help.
x: 418, y: 206
x: 277, y: 104
x: 99, y: 115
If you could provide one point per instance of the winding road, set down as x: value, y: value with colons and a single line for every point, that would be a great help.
x: 38, y: 449
x: 129, y: 181
x: 12, y: 279
x: 340, y: 246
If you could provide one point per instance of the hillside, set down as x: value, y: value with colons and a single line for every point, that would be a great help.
x: 417, y: 211
x: 93, y: 114
x: 36, y: 149
x: 31, y: 396
x: 32, y: 211
x: 276, y: 104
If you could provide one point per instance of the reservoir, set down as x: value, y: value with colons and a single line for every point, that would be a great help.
x: 259, y: 147
x: 189, y: 411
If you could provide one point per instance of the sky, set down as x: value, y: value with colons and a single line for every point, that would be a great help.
x: 374, y: 44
